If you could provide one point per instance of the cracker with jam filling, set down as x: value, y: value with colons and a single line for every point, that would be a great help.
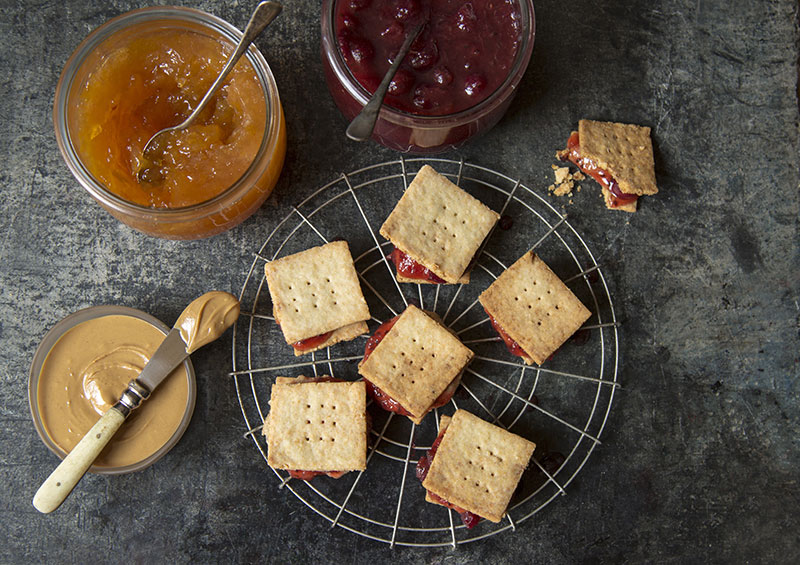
x: 317, y: 426
x: 533, y: 308
x: 476, y: 466
x: 618, y: 156
x: 317, y: 298
x: 417, y: 360
x: 439, y: 226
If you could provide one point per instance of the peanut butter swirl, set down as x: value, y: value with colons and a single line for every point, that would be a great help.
x: 207, y: 318
x: 83, y: 376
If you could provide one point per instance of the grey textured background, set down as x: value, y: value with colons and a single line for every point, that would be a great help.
x: 700, y: 455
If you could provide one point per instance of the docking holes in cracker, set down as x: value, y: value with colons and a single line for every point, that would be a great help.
x: 477, y: 466
x: 417, y: 360
x: 317, y: 425
x: 532, y: 309
x: 439, y: 227
x: 317, y: 298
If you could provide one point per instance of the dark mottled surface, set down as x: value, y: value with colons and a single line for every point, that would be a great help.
x: 700, y: 454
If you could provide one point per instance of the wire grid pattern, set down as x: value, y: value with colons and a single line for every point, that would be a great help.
x: 578, y: 383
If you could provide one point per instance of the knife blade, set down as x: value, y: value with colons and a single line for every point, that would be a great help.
x: 170, y: 354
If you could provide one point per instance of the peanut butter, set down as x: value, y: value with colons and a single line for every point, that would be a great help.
x: 83, y: 376
x: 207, y: 318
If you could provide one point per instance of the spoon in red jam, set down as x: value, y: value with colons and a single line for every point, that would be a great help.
x: 360, y: 129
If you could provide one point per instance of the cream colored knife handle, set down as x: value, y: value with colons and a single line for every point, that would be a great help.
x: 61, y: 481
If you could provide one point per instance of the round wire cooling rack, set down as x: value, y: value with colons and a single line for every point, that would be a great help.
x: 562, y: 405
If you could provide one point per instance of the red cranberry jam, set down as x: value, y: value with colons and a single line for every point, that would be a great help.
x: 410, y: 269
x: 312, y: 342
x: 378, y: 336
x: 463, y: 54
x: 469, y: 519
x: 513, y: 347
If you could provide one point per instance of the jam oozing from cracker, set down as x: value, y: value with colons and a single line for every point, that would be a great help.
x: 391, y: 405
x: 410, y: 269
x: 513, y: 347
x: 311, y: 342
x: 384, y: 400
x: 379, y: 334
x: 423, y: 466
x: 602, y: 176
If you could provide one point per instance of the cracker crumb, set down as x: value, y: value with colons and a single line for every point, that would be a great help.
x: 565, y: 188
x: 562, y: 174
x: 564, y: 181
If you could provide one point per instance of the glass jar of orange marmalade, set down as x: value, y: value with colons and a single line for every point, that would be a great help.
x: 146, y: 70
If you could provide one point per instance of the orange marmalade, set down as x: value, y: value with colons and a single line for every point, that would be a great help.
x: 151, y: 81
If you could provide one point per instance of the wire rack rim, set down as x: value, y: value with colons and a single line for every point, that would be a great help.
x: 605, y: 327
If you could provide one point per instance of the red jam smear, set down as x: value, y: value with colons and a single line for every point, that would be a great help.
x: 424, y: 465
x: 391, y: 405
x: 410, y: 269
x: 312, y: 342
x: 384, y: 400
x: 512, y: 346
x: 602, y: 176
x: 463, y: 54
x: 379, y: 334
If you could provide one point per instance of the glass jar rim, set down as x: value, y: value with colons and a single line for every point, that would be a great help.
x: 362, y: 95
x: 141, y: 16
x: 49, y: 341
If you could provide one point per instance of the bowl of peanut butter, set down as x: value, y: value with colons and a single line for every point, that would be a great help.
x: 80, y: 369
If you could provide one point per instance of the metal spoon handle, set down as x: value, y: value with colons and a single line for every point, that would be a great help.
x: 262, y: 16
x: 360, y: 129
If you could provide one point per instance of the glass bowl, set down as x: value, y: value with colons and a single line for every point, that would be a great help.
x: 46, y: 345
x: 228, y: 209
x: 410, y: 133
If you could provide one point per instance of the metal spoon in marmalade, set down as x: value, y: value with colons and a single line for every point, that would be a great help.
x: 262, y: 16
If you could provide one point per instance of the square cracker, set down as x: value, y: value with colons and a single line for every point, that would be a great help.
x: 439, y: 225
x: 625, y: 150
x: 316, y: 291
x: 317, y: 426
x: 416, y: 361
x: 478, y: 466
x: 534, y: 307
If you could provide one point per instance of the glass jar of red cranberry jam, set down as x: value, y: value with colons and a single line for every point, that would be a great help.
x: 456, y: 82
